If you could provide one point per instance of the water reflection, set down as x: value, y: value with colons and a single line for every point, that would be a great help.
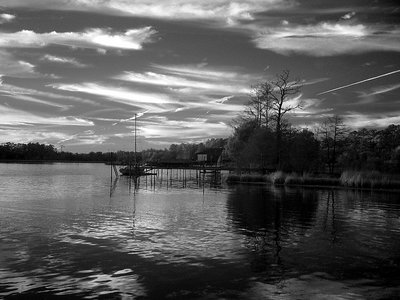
x: 295, y: 232
x: 178, y: 236
x: 271, y: 218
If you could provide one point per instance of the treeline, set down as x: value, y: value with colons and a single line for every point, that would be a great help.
x: 43, y: 152
x: 307, y: 151
x: 264, y: 138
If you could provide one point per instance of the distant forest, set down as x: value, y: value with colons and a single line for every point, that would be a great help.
x: 262, y: 139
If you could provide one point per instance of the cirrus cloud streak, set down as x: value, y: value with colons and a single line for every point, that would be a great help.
x: 94, y: 38
x: 326, y: 39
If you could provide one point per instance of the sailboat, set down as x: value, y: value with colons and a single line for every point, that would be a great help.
x: 135, y: 170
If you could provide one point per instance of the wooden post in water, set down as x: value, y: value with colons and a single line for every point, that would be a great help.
x: 111, y: 166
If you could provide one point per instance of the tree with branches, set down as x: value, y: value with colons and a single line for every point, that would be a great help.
x: 333, y: 132
x: 271, y: 101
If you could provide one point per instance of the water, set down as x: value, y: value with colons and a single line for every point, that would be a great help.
x: 67, y: 230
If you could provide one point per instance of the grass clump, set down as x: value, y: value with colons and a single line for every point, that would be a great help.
x: 368, y: 179
x: 236, y: 178
x: 356, y: 179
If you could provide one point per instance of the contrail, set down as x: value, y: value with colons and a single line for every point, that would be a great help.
x: 358, y: 82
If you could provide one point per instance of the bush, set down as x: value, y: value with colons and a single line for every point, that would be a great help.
x: 277, y: 177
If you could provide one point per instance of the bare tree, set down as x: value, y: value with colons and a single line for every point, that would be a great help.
x: 269, y: 103
x: 332, y: 132
x: 279, y: 93
x: 259, y: 106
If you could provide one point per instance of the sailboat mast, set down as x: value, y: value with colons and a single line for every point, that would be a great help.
x: 135, y: 139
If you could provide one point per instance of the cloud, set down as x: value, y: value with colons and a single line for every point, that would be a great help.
x: 326, y: 39
x: 199, y: 88
x: 190, y: 79
x: 188, y: 87
x: 37, y: 96
x: 4, y: 18
x: 11, y: 66
x: 356, y: 120
x: 155, y: 103
x: 11, y: 116
x: 63, y: 60
x: 94, y: 38
x: 184, y: 82
x: 190, y: 128
x: 223, y: 99
x: 29, y: 134
x: 86, y: 137
x: 26, y: 135
x: 226, y: 11
x: 199, y: 72
x: 349, y: 15
x: 380, y: 90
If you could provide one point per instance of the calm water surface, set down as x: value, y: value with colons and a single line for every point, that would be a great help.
x: 68, y: 230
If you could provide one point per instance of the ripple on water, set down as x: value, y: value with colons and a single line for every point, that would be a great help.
x: 65, y: 235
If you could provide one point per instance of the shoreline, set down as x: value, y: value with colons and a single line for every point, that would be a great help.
x: 38, y: 161
x: 348, y: 180
x: 314, y: 186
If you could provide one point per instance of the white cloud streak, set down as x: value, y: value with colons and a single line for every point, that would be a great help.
x: 194, y: 128
x: 359, y: 82
x: 63, y: 60
x: 94, y: 38
x: 326, y: 39
x: 155, y: 103
x: 206, y: 84
x: 385, y: 89
x: 11, y: 116
x: 33, y: 95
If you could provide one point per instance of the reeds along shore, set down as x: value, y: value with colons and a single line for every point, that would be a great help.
x: 355, y: 179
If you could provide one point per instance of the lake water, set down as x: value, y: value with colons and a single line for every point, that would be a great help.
x: 67, y: 229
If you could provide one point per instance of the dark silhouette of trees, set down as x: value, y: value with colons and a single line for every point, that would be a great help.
x: 261, y: 132
x: 332, y: 133
x: 259, y: 106
x: 279, y: 93
x: 263, y: 137
x: 372, y: 149
x: 269, y: 103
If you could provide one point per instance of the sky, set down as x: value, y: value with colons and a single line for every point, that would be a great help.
x: 75, y: 72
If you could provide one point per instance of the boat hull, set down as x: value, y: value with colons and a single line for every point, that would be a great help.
x: 135, y: 171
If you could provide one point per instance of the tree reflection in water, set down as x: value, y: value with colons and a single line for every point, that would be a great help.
x: 330, y: 210
x: 271, y: 218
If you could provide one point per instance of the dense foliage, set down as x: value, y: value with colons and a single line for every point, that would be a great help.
x: 263, y: 138
x: 253, y: 146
